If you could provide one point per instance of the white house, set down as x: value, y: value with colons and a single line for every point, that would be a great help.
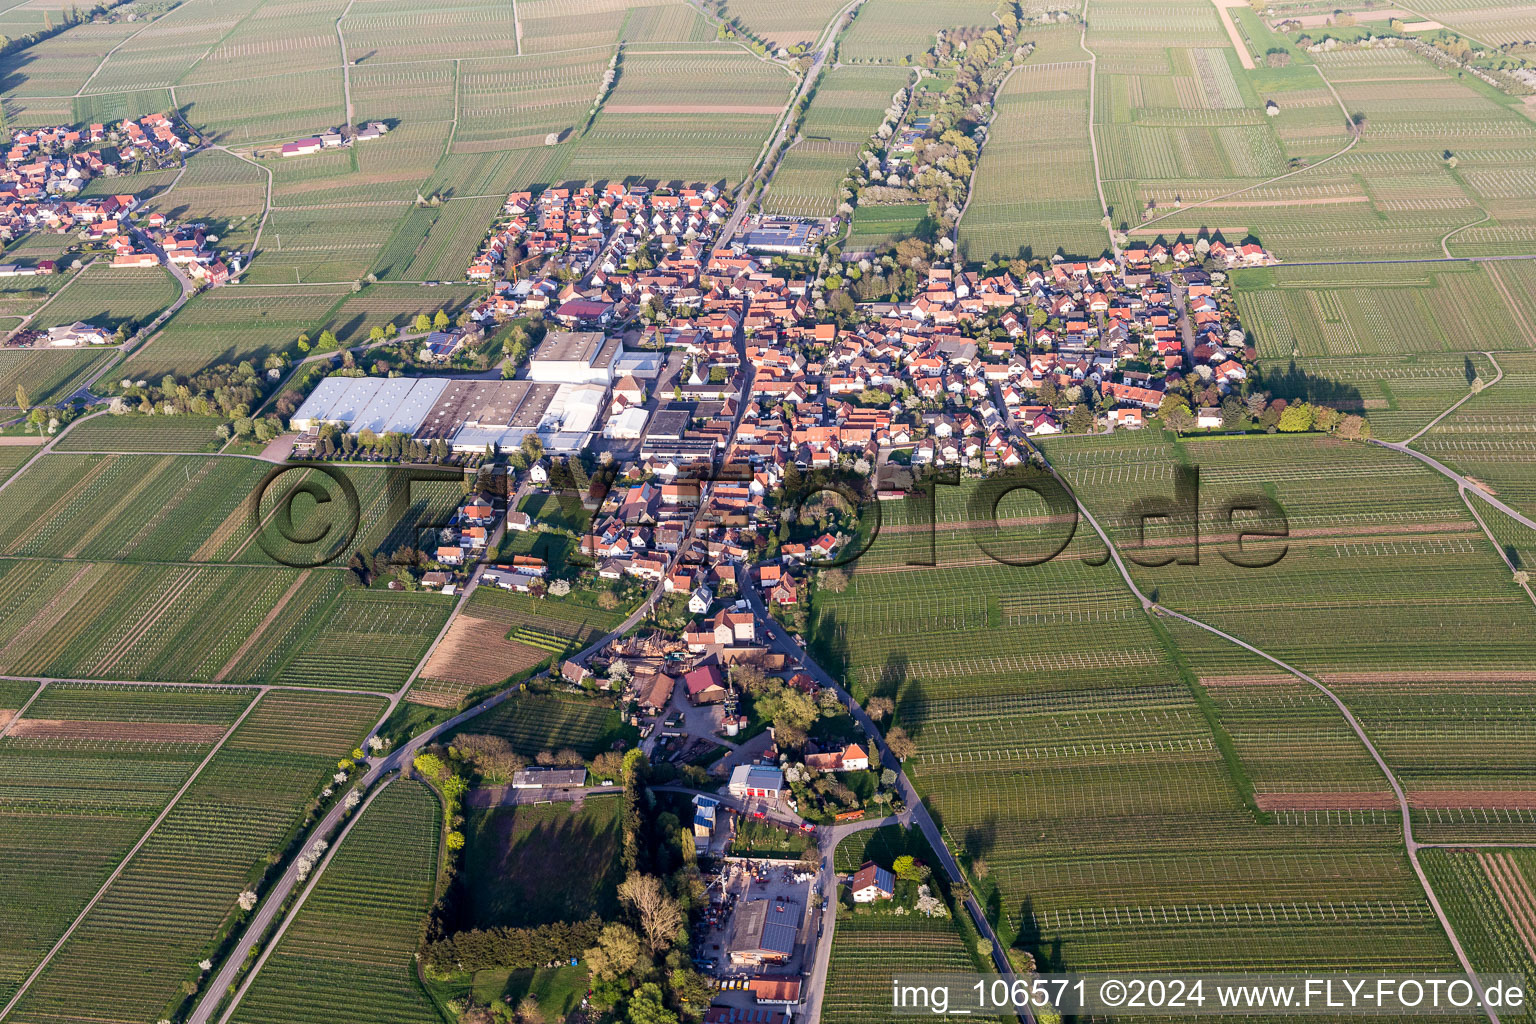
x: 872, y: 882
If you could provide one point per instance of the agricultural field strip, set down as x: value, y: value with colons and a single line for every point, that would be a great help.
x: 1410, y: 845
x: 275, y: 939
x: 195, y: 685
x: 257, y: 694
x: 1353, y: 141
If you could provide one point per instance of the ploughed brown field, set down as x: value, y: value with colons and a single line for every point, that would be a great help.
x: 130, y: 732
x: 476, y: 653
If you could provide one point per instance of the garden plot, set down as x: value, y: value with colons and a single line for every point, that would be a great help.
x: 481, y: 650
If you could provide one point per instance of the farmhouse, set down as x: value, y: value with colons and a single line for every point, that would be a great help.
x: 302, y: 147
x: 78, y: 333
x: 772, y: 990
x: 705, y: 685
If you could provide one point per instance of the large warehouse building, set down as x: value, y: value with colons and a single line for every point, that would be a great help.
x: 575, y: 357
x: 468, y: 414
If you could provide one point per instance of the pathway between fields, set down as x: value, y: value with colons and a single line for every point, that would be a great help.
x: 1410, y: 844
x: 1459, y: 402
x: 1093, y: 136
x: 298, y: 904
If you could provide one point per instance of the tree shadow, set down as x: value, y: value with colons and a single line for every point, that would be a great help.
x: 1297, y: 385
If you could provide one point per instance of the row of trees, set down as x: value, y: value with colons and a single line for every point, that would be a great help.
x: 1258, y: 411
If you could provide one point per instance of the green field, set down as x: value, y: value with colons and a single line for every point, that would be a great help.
x: 1108, y: 779
x: 93, y: 798
x: 532, y: 723
x: 1046, y: 101
x: 348, y: 951
x: 886, y: 31
x: 847, y: 108
x: 868, y: 950
x: 176, y: 897
x: 137, y: 433
x: 1398, y: 394
x: 875, y: 227
x: 1387, y: 310
x: 538, y: 864
x: 48, y: 375
x: 232, y: 324
x: 1491, y: 438
x: 369, y: 641
x: 105, y: 620
x: 109, y: 297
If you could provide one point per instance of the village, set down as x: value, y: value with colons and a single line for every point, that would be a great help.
x: 682, y: 387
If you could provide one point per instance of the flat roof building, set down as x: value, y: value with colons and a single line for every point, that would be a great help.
x: 380, y: 404
x: 575, y: 357
x: 549, y: 778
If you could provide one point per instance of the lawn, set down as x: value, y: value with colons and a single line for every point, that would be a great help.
x: 533, y: 865
x: 875, y: 227
x: 533, y: 723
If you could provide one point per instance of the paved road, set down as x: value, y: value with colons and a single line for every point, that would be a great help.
x: 916, y: 809
x: 750, y: 194
x: 828, y: 839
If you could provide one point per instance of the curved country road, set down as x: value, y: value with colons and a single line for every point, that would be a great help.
x: 1410, y: 844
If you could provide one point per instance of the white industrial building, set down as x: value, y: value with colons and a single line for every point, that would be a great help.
x: 575, y: 357
x: 380, y: 404
x: 628, y: 425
